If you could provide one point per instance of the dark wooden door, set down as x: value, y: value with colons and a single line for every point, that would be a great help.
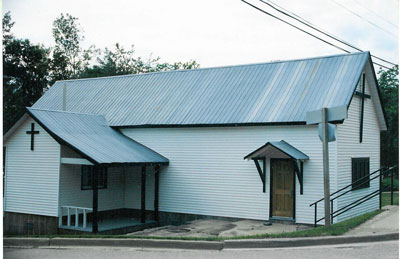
x: 282, y: 184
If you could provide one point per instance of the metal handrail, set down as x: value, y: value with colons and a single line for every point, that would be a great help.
x: 362, y: 178
x: 352, y: 189
x: 357, y: 202
x: 362, y: 199
x: 368, y: 196
x: 79, y: 208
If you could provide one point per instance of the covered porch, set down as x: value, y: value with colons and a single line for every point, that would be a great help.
x: 108, y: 182
x: 126, y: 198
x: 117, y: 224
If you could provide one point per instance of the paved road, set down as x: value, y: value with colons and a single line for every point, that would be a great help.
x: 382, y: 250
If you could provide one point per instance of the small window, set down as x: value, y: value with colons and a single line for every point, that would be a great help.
x: 87, y: 177
x: 360, y: 173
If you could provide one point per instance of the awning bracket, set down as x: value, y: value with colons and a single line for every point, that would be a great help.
x: 298, y: 167
x: 261, y: 172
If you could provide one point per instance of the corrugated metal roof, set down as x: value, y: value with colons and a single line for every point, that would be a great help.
x: 91, y: 136
x: 276, y: 92
x: 283, y: 146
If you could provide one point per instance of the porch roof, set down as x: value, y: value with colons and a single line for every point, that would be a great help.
x: 283, y: 146
x: 288, y: 151
x: 92, y: 137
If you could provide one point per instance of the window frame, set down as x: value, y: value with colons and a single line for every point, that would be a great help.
x: 102, y: 177
x: 363, y: 163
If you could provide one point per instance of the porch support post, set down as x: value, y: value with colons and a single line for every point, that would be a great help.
x: 95, y: 227
x: 156, y: 190
x: 302, y: 176
x: 143, y: 198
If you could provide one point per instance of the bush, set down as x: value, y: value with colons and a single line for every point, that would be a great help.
x: 386, y: 184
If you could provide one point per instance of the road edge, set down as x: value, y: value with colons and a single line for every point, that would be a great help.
x: 198, y: 245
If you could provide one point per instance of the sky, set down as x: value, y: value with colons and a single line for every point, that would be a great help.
x: 214, y: 32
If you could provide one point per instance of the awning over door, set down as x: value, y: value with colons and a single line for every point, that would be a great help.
x: 271, y: 148
x: 278, y: 149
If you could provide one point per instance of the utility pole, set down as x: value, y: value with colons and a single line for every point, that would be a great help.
x: 326, y: 134
x: 325, y: 152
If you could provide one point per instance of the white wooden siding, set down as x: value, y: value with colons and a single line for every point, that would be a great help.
x: 349, y: 147
x: 32, y: 176
x: 208, y: 176
x: 70, y: 187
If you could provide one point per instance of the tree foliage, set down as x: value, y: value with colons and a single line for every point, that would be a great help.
x: 25, y: 73
x: 389, y: 88
x: 29, y: 69
x: 69, y: 60
x: 120, y: 61
x: 7, y: 25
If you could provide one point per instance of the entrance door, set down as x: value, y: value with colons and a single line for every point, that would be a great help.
x: 282, y: 188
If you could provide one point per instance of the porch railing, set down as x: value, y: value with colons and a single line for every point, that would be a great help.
x: 71, y: 210
x: 382, y: 172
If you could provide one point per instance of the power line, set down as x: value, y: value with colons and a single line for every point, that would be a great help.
x: 327, y: 42
x: 378, y: 15
x: 309, y: 24
x: 312, y: 35
x: 366, y: 20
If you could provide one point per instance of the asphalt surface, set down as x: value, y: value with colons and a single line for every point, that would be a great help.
x: 388, y: 249
x: 385, y: 222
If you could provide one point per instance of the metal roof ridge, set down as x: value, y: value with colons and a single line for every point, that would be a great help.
x: 217, y: 67
x: 60, y: 111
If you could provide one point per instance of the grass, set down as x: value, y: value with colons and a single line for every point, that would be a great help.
x: 386, y: 183
x: 386, y: 199
x: 335, y: 230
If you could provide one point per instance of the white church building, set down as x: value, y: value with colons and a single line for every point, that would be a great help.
x: 117, y: 154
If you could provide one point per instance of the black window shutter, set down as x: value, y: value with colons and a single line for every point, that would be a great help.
x: 360, y: 173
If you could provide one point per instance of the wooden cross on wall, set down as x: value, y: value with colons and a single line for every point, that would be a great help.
x: 32, y: 133
x: 363, y: 95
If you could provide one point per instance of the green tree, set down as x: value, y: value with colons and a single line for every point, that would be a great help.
x: 389, y: 88
x: 192, y: 64
x: 7, y: 25
x: 29, y: 69
x: 69, y: 60
x: 25, y: 74
x: 121, y: 61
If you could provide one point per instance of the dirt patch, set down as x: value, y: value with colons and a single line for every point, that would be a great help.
x: 219, y: 228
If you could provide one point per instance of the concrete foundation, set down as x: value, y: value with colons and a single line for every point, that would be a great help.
x: 28, y: 224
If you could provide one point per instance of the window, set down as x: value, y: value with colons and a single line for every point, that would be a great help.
x: 360, y: 171
x: 87, y: 177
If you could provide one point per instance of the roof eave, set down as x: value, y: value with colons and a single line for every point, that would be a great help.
x: 60, y: 140
x: 275, y: 146
x: 88, y: 157
x: 379, y: 94
x: 286, y: 123
x: 16, y: 125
